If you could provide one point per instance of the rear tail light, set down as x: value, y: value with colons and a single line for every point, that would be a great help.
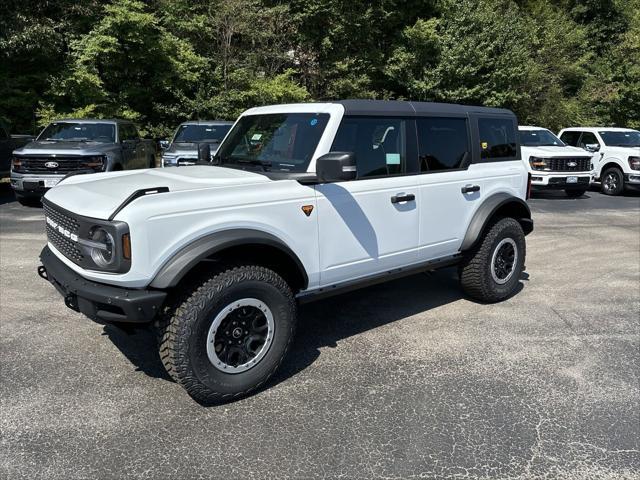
x: 528, y: 186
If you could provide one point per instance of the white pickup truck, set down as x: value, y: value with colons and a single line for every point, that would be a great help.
x: 616, y: 155
x: 553, y: 164
x: 302, y: 201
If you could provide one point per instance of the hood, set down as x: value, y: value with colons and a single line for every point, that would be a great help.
x: 98, y: 195
x: 44, y: 147
x: 552, y: 151
x: 623, y: 151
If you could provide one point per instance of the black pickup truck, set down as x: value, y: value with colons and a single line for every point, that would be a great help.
x: 8, y: 143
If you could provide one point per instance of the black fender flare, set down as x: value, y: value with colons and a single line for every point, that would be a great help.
x: 189, y: 256
x: 516, y: 207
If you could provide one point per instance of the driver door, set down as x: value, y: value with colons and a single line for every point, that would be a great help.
x: 368, y: 225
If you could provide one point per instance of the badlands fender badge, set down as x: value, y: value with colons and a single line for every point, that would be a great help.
x: 307, y: 209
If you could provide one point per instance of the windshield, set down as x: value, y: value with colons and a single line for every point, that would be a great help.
x: 539, y: 138
x: 200, y: 133
x: 79, y: 132
x: 621, y: 139
x: 282, y: 142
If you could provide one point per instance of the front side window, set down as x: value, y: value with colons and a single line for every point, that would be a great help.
x: 588, y: 138
x: 200, y: 133
x: 621, y: 139
x: 570, y: 138
x: 443, y: 143
x: 539, y: 138
x: 280, y: 141
x: 497, y: 138
x: 378, y: 144
x: 79, y: 132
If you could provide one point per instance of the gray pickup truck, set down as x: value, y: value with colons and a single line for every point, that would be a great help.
x: 77, y: 146
x: 189, y: 136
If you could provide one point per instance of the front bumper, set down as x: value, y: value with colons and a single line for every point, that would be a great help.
x: 558, y: 180
x: 29, y: 184
x: 96, y: 300
x: 632, y: 180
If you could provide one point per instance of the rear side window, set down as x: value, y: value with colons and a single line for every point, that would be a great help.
x: 378, y: 143
x: 497, y: 138
x: 570, y: 138
x: 443, y: 143
x: 127, y: 132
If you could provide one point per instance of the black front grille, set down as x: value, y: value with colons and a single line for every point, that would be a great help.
x: 570, y: 164
x: 60, y: 230
x: 37, y: 164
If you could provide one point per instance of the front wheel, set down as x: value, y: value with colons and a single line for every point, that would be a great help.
x: 575, y: 193
x: 229, y: 334
x: 491, y: 271
x: 612, y: 181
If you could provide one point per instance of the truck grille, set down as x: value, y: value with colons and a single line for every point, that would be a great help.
x: 65, y: 164
x: 60, y: 229
x: 566, y: 164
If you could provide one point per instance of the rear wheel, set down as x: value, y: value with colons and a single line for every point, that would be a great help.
x: 491, y: 271
x: 575, y: 193
x: 152, y: 162
x: 229, y: 333
x: 612, y: 181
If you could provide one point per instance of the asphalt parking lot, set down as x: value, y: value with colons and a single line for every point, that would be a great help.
x: 402, y: 380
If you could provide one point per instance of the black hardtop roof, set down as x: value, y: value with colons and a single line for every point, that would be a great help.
x: 207, y: 122
x: 91, y: 120
x: 408, y: 108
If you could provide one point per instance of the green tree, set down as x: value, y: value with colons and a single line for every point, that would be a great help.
x: 129, y: 66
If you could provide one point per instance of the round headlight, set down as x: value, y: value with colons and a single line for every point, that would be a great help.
x: 104, y: 255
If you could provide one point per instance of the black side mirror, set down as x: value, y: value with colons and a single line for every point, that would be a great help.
x: 336, y: 167
x: 204, y: 153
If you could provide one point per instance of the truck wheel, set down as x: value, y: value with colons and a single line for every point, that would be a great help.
x: 612, y: 181
x: 152, y: 162
x: 228, y: 334
x: 491, y: 271
x: 575, y: 193
x: 27, y: 201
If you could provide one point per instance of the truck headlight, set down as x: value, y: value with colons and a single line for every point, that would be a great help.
x: 96, y: 163
x: 538, y: 163
x: 102, y: 247
x: 634, y: 163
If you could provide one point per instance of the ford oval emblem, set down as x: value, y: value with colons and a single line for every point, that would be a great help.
x: 572, y: 164
x: 51, y: 164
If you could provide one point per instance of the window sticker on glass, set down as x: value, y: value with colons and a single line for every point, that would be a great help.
x: 393, y: 158
x: 313, y: 122
x: 256, y: 137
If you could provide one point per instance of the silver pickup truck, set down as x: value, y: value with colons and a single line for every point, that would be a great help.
x: 183, y: 148
x: 77, y: 146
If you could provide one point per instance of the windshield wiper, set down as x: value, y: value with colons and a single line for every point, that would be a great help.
x: 260, y: 163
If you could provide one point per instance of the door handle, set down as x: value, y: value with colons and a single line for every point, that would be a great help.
x: 409, y: 197
x: 470, y: 188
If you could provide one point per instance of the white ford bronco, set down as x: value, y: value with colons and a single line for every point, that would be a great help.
x: 300, y: 201
x: 554, y: 165
x: 616, y: 155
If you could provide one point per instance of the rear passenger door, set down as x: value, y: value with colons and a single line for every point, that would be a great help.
x: 445, y: 153
x: 458, y: 170
x: 369, y: 225
x: 128, y: 144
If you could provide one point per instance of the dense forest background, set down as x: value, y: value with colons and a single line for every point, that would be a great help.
x: 159, y: 62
